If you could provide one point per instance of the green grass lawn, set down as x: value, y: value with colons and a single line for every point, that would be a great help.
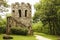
x: 19, y: 37
x: 53, y: 37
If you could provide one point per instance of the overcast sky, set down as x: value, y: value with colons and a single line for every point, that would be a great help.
x: 26, y: 1
x: 32, y: 2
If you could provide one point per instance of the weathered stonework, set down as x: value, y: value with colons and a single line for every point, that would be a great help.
x: 21, y: 16
x: 26, y: 20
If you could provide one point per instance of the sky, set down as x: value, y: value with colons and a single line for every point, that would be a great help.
x: 32, y: 2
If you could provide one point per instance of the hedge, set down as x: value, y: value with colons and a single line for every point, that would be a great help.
x: 17, y: 31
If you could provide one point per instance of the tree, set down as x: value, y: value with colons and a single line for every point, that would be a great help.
x: 3, y: 6
x: 48, y: 12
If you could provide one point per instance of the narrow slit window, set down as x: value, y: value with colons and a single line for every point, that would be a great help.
x: 25, y: 13
x: 19, y: 13
x: 9, y: 25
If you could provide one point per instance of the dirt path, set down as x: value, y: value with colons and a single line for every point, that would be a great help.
x: 41, y: 38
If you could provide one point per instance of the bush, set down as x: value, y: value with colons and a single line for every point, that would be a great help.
x: 2, y: 29
x: 45, y: 29
x: 37, y: 26
x: 19, y: 31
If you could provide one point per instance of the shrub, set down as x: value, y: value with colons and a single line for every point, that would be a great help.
x: 37, y: 26
x: 2, y: 29
x: 46, y: 29
x: 19, y: 31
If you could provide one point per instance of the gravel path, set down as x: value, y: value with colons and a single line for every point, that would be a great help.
x: 41, y: 38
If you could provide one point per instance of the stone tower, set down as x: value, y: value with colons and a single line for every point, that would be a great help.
x: 22, y: 13
x: 21, y: 16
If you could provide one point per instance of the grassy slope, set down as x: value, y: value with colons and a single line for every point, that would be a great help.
x: 19, y: 37
x: 47, y: 36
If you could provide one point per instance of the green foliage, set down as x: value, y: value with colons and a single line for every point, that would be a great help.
x: 45, y: 29
x: 19, y: 31
x: 2, y: 25
x: 3, y: 22
x: 2, y: 30
x: 48, y: 12
x: 3, y: 6
x: 4, y: 3
x: 14, y: 30
x: 8, y: 14
x: 37, y: 26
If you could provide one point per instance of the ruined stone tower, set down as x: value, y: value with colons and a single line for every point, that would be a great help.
x: 21, y: 16
x: 22, y: 13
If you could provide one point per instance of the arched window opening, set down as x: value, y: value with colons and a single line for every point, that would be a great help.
x: 19, y: 13
x: 25, y: 13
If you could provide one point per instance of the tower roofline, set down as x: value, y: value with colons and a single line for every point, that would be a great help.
x: 21, y: 4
